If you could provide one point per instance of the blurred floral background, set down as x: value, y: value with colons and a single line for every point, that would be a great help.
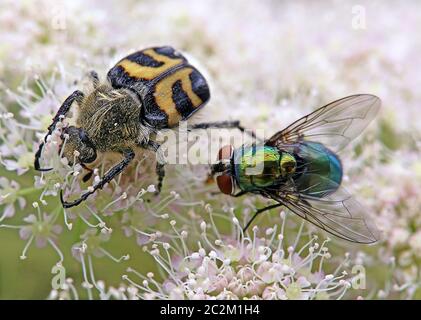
x: 268, y: 63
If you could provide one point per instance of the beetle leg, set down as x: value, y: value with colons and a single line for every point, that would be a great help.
x: 160, y: 167
x: 118, y: 168
x: 224, y: 125
x: 276, y: 205
x: 89, y: 174
x: 160, y: 171
x: 62, y: 111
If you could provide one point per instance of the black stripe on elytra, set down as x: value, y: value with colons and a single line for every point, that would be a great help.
x: 120, y: 79
x: 169, y: 52
x: 200, y: 85
x: 143, y: 59
x: 152, y: 114
x: 181, y: 100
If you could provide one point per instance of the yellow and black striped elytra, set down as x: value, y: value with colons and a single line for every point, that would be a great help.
x: 169, y: 87
x: 146, y: 91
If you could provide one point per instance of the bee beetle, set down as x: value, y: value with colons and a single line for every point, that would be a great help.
x: 147, y: 91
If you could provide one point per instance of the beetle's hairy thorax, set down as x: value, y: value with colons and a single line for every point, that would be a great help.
x: 111, y: 117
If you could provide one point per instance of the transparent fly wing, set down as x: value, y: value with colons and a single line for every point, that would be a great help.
x: 338, y: 213
x: 334, y: 125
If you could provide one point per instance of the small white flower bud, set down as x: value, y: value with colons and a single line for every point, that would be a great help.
x: 202, y: 252
x: 151, y: 188
x: 329, y: 277
x: 269, y: 231
x: 208, y: 208
x: 175, y: 194
x: 192, y: 282
x: 87, y: 285
x: 155, y: 252
x: 203, y: 226
x: 285, y: 268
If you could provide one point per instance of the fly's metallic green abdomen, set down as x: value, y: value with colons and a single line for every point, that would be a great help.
x: 321, y: 170
x: 315, y: 170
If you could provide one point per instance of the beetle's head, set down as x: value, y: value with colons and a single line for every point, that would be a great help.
x: 76, y: 139
x: 223, y: 170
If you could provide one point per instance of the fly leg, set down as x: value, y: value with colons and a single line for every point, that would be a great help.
x: 239, y: 194
x: 276, y: 205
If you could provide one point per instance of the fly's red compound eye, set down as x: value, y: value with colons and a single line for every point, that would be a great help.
x: 225, y: 183
x: 225, y: 152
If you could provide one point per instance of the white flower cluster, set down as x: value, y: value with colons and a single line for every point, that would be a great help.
x: 242, y: 267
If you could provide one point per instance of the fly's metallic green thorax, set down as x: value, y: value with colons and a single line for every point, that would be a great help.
x: 314, y: 169
x: 258, y: 167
